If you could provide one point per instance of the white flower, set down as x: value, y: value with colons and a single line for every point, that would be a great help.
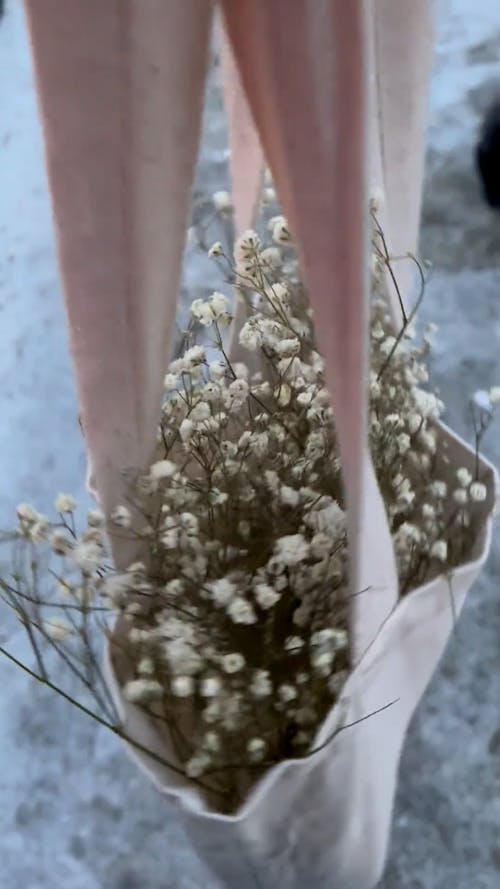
x: 233, y: 663
x: 249, y: 336
x: 427, y: 403
x: 216, y: 250
x: 293, y: 644
x: 197, y: 765
x: 146, y: 666
x: 428, y: 440
x: 87, y: 556
x: 464, y: 477
x: 460, y: 496
x: 217, y: 370
x: 331, y: 636
x: 321, y: 660
x: 174, y: 587
x: 182, y: 686
x: 139, y: 691
x: 61, y: 546
x: 439, y: 489
x: 439, y: 550
x: 202, y: 312
x: 95, y: 518
x: 186, y: 430
x: 117, y: 587
x: 271, y: 256
x: 403, y: 442
x: 260, y: 686
x: 288, y: 348
x: 289, y: 496
x: 26, y: 512
x: 494, y: 395
x: 222, y: 590
x: 163, y: 469
x: 268, y: 196
x: 219, y: 305
x: 210, y: 687
x: 57, y: 629
x: 287, y: 692
x: 265, y: 595
x: 222, y: 201
x: 240, y: 611
x: 388, y: 345
x: 211, y: 742
x: 278, y: 226
x: 478, y: 492
x: 256, y: 748
x: 194, y: 356
x: 482, y: 399
x: 238, y: 392
x: 409, y: 532
x: 291, y: 549
x: 414, y: 423
x: 65, y: 503
x: 121, y: 516
x: 170, y: 382
x: 246, y: 246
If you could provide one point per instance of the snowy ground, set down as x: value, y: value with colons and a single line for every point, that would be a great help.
x: 74, y: 812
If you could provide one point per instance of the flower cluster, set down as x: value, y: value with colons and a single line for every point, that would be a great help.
x: 232, y: 631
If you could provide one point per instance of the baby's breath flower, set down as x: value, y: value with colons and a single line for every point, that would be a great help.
x: 210, y: 687
x: 460, y: 496
x: 287, y: 692
x: 198, y: 764
x: 95, y: 518
x: 291, y: 549
x: 222, y: 201
x: 293, y: 644
x: 222, y: 591
x: 186, y: 430
x: 182, y: 686
x: 439, y: 550
x: 439, y: 488
x: 122, y: 517
x: 65, y: 503
x: 202, y: 312
x: 194, y: 356
x: 216, y: 250
x: 240, y: 611
x: 139, y: 691
x: 163, y: 469
x: 278, y: 227
x: 478, y: 492
x: 171, y: 382
x: 494, y: 395
x: 256, y: 748
x: 265, y: 595
x: 233, y: 663
x: 61, y: 546
x: 87, y: 556
x: 260, y: 686
x: 57, y: 628
x: 464, y: 477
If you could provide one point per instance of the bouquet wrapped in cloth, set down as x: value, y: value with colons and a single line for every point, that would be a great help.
x: 265, y: 660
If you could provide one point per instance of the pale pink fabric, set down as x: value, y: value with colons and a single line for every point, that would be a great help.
x: 121, y: 89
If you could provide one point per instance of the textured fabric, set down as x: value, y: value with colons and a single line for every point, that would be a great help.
x: 121, y: 89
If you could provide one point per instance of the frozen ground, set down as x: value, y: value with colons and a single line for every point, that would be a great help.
x: 74, y: 813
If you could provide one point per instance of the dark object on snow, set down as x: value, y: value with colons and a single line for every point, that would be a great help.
x: 488, y: 156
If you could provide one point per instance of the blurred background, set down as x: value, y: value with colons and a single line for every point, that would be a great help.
x: 74, y: 813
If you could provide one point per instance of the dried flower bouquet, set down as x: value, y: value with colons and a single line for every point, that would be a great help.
x: 232, y: 633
